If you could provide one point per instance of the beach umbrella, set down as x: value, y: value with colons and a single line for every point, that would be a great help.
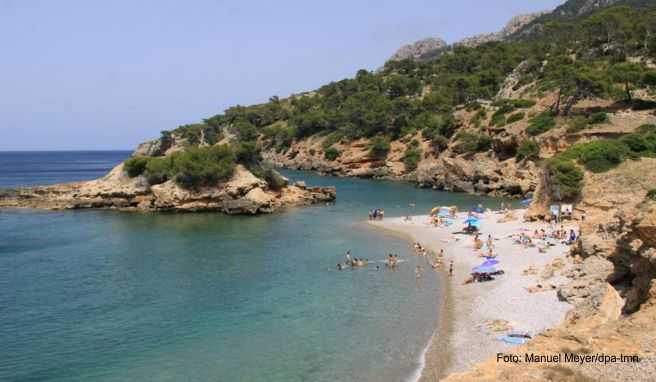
x: 435, y: 209
x: 477, y: 210
x: 482, y: 269
x: 526, y: 202
x: 472, y: 220
x: 489, y: 263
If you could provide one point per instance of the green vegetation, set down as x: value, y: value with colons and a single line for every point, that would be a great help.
x: 598, y: 156
x: 598, y: 118
x: 576, y: 124
x: 515, y: 117
x: 628, y: 74
x: 135, y: 166
x: 566, y: 179
x: 541, y: 123
x: 274, y: 179
x: 651, y: 194
x: 603, y: 155
x: 469, y: 143
x: 379, y: 147
x: 572, y: 57
x: 412, y: 156
x: 576, y: 57
x: 280, y: 135
x: 192, y: 168
x: 331, y: 139
x: 331, y: 153
x: 439, y: 142
x: 507, y: 106
x: 528, y: 149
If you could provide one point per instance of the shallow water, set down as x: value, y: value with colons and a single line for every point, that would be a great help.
x: 107, y: 296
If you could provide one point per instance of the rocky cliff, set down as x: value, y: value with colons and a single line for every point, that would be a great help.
x: 482, y: 173
x: 433, y: 46
x: 419, y: 48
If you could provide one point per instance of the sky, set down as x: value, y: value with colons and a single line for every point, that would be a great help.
x: 107, y: 75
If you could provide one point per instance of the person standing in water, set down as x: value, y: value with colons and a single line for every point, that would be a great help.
x: 349, y: 259
x: 451, y: 268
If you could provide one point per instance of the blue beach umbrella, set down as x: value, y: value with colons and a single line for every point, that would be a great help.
x: 482, y: 269
x: 526, y: 202
x: 471, y: 220
x: 489, y: 263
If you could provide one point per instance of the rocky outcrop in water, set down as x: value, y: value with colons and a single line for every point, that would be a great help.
x: 242, y: 194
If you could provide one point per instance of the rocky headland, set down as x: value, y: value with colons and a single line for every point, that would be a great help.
x: 243, y: 193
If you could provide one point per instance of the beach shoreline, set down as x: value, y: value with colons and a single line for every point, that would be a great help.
x: 466, y: 331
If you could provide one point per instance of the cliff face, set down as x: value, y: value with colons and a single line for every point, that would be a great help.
x: 482, y: 173
x: 242, y: 194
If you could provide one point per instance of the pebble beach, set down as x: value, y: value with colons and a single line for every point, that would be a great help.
x: 475, y: 315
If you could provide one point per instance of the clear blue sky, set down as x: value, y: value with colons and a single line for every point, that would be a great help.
x: 110, y: 74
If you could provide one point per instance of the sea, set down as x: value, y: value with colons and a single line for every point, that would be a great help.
x: 117, y: 296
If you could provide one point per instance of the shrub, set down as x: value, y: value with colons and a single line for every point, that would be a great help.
x: 274, y: 179
x: 412, y: 158
x: 566, y: 178
x: 472, y: 143
x: 331, y: 153
x: 476, y: 119
x: 281, y: 135
x: 498, y: 120
x: 651, y: 194
x: 598, y: 118
x: 198, y: 167
x: 159, y: 170
x: 541, y: 123
x: 528, y: 149
x: 599, y: 156
x: 646, y: 129
x: 135, y: 166
x: 331, y: 139
x: 515, y: 117
x: 379, y: 148
x: 576, y: 124
x: 636, y: 143
x: 246, y: 153
x: 439, y: 142
x: 522, y: 103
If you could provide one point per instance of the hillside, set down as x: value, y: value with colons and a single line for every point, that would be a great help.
x: 484, y: 119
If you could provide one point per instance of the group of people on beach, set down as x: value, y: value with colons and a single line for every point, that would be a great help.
x: 541, y: 235
x: 377, y: 214
x: 435, y: 260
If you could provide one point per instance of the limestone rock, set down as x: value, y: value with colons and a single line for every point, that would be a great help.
x: 419, y: 48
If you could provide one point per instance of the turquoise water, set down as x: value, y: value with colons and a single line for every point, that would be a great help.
x: 106, y: 296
